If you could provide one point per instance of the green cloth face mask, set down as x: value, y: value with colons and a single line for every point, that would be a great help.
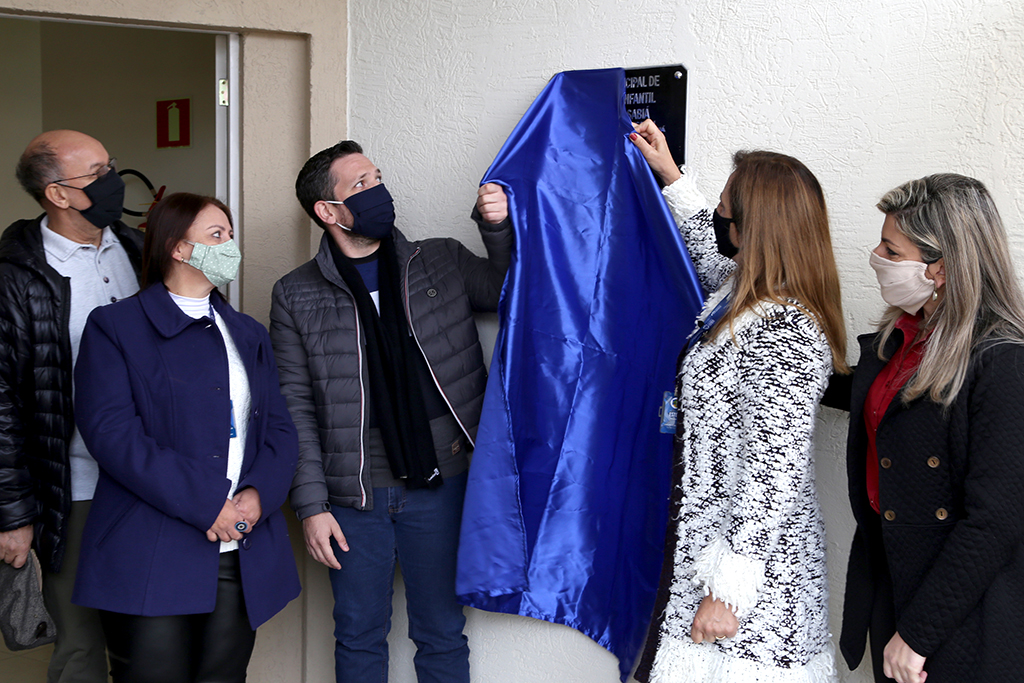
x: 218, y: 262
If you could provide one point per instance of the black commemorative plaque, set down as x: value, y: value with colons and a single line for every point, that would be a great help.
x: 659, y: 93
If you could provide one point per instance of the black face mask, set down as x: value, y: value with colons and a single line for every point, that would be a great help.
x: 373, y: 212
x: 721, y: 224
x: 107, y: 196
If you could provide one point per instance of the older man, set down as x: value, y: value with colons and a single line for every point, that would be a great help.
x: 54, y: 270
x: 380, y: 362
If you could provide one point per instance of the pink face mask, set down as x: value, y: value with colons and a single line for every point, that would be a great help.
x: 903, y: 283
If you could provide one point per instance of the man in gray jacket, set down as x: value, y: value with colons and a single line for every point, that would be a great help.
x: 380, y: 363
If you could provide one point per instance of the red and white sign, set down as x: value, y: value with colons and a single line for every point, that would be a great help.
x: 173, y: 123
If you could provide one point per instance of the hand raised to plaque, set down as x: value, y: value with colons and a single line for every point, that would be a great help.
x: 652, y: 144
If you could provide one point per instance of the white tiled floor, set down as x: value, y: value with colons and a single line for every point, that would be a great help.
x: 25, y: 666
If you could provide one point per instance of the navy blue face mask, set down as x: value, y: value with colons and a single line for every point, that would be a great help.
x: 721, y: 224
x: 107, y: 196
x: 373, y: 212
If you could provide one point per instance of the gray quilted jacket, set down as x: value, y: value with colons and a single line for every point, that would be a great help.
x: 320, y: 350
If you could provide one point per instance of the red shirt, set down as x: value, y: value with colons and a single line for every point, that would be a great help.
x: 900, y: 368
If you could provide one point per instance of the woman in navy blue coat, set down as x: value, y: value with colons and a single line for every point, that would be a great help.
x: 185, y: 550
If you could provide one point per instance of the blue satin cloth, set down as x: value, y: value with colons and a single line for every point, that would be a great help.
x: 567, y: 501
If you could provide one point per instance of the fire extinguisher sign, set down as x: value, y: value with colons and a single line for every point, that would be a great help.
x: 173, y: 123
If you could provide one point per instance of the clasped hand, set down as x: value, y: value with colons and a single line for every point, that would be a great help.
x: 713, y: 621
x: 902, y: 663
x: 244, y: 507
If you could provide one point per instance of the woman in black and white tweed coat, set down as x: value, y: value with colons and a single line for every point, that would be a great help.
x: 745, y: 595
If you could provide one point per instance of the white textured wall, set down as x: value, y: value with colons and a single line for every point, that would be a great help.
x: 868, y: 94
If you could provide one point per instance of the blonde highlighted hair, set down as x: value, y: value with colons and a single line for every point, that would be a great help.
x: 779, y: 211
x: 953, y: 217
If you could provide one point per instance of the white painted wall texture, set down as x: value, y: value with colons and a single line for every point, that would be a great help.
x: 867, y: 94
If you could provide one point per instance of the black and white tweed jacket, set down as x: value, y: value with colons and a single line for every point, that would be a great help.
x: 750, y: 529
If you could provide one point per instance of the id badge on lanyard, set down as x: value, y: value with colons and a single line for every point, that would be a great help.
x: 669, y: 411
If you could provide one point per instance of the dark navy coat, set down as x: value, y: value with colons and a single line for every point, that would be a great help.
x: 153, y: 405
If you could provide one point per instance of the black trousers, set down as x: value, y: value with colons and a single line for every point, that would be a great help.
x: 188, y: 648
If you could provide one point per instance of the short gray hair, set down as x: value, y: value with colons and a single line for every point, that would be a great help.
x: 37, y: 168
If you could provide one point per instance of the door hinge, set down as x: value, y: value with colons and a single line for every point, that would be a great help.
x: 222, y: 92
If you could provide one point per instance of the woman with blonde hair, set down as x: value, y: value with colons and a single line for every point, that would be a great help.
x: 744, y: 591
x: 935, y: 455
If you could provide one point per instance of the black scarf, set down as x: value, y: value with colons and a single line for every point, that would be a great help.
x: 391, y: 356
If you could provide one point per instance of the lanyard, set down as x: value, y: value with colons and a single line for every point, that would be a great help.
x: 669, y: 411
x: 713, y: 317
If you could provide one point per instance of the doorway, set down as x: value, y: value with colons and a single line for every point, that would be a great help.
x: 117, y: 84
x: 270, y: 123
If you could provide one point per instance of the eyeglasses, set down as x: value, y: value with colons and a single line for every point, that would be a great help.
x: 109, y: 166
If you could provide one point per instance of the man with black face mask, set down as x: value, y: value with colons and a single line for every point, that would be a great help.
x: 54, y: 270
x: 380, y: 363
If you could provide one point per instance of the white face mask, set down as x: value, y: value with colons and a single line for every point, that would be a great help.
x: 903, y: 283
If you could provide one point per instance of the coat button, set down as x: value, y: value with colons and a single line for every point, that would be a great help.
x: 941, y: 513
x: 431, y: 292
x: 246, y: 543
x: 890, y: 515
x: 933, y: 462
x: 886, y: 463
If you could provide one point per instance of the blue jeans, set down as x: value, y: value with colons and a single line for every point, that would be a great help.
x: 419, y: 529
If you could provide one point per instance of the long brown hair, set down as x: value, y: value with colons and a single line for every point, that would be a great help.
x: 167, y: 224
x: 779, y: 210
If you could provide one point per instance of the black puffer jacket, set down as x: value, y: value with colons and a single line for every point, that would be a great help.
x: 321, y: 354
x: 36, y: 417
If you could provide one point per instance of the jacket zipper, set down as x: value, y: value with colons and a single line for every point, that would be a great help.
x: 362, y: 407
x: 412, y: 331
x: 65, y: 336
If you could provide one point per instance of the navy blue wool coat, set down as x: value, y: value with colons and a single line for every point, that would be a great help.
x: 153, y: 405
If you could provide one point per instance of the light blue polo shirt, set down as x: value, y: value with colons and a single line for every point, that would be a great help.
x: 99, y: 276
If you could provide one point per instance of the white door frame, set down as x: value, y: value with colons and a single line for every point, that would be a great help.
x: 229, y: 172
